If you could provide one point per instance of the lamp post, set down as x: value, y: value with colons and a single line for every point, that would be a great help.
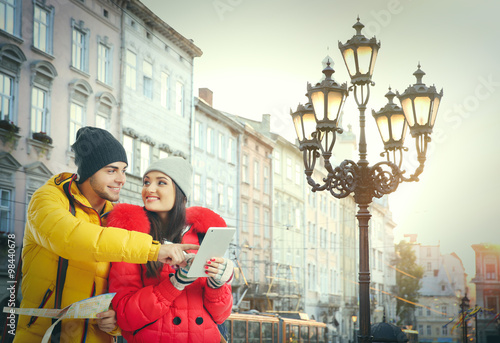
x: 464, y: 305
x: 317, y: 124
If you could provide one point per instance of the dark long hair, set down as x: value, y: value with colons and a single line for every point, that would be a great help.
x: 171, y: 231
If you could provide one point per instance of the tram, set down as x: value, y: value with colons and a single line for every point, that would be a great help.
x: 273, y: 328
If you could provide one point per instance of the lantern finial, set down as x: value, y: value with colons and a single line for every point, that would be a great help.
x: 419, y: 74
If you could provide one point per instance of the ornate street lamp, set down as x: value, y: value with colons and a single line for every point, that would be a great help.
x: 464, y: 306
x: 317, y: 125
x: 392, y: 127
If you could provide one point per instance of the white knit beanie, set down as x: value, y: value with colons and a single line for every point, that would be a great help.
x: 178, y: 169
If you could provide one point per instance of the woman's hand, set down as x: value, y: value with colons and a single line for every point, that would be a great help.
x: 106, y: 321
x: 219, y: 271
x: 173, y: 254
x: 180, y: 279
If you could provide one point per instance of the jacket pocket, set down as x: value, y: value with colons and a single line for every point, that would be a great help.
x: 45, y: 298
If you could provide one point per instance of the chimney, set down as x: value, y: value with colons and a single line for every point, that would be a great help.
x: 266, y: 122
x: 206, y: 95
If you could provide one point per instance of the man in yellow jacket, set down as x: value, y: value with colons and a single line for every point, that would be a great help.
x: 53, y: 231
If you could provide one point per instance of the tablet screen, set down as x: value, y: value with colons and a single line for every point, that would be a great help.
x: 215, y: 244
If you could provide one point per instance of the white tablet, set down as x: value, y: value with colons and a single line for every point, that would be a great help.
x: 215, y: 244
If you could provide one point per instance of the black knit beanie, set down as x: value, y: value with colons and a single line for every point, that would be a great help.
x: 94, y: 149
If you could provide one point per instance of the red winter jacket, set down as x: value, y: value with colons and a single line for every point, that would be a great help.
x: 152, y: 310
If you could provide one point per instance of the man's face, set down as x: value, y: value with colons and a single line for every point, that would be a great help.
x: 109, y: 180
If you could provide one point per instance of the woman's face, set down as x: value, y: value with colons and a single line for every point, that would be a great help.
x: 158, y: 193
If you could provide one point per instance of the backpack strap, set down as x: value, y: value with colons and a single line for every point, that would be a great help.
x: 62, y: 267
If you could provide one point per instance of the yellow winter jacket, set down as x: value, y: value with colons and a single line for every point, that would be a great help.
x: 52, y: 231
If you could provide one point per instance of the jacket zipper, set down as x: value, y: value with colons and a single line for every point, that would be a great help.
x: 145, y: 326
x: 46, y: 297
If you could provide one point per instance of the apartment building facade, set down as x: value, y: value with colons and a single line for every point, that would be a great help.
x: 58, y: 71
x: 443, y: 286
x: 157, y: 102
x: 255, y: 203
x: 487, y: 281
x: 63, y: 65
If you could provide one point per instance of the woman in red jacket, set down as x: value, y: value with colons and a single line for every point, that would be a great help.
x: 155, y: 302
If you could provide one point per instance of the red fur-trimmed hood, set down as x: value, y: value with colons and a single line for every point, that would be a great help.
x: 199, y: 220
x: 130, y: 217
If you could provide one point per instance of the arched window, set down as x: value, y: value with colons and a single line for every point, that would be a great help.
x: 80, y: 91
x: 104, y: 109
x: 43, y: 74
x: 11, y: 59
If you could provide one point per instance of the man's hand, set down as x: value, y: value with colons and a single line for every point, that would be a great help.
x: 173, y: 254
x: 106, y: 320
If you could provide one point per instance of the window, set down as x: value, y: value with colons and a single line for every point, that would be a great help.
x: 220, y: 196
x: 179, y: 99
x: 490, y: 271
x: 101, y: 121
x: 256, y: 220
x: 80, y: 91
x: 209, y: 192
x: 256, y: 278
x: 333, y: 209
x: 128, y: 145
x: 244, y: 217
x: 444, y: 310
x: 277, y: 162
x: 380, y: 260
x: 429, y: 266
x: 210, y: 140
x: 298, y: 173
x: 164, y: 96
x: 104, y: 63
x: 256, y: 174
x: 197, y: 188
x: 444, y: 330
x: 75, y: 121
x: 289, y: 168
x: 131, y: 70
x: 105, y: 103
x: 6, y: 94
x: 244, y: 170
x: 39, y: 120
x: 147, y: 70
x: 79, y: 47
x: 267, y: 224
x: 231, y: 150
x: 222, y: 146
x: 5, y: 210
x: 492, y: 304
x: 198, y: 134
x: 10, y: 16
x: 145, y: 157
x: 40, y: 96
x: 43, y: 18
x: 266, y: 180
x: 230, y: 198
x: 428, y: 331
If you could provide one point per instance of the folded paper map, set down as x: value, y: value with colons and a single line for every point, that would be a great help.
x: 83, y: 309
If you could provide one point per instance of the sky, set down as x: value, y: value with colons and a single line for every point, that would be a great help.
x: 258, y: 56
